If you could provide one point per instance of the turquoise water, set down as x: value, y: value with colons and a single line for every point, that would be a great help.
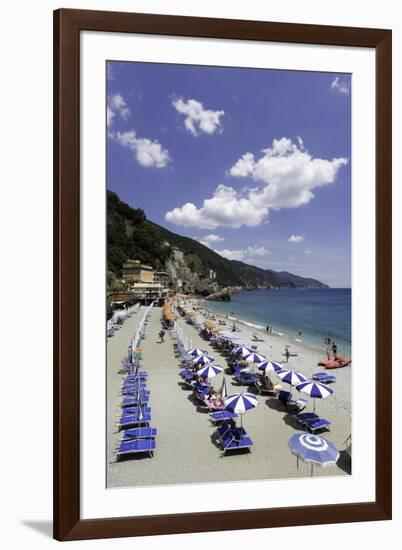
x: 316, y: 313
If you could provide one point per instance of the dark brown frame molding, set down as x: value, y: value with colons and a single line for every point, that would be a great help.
x: 67, y: 27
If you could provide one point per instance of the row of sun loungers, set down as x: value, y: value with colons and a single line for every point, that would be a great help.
x: 136, y: 413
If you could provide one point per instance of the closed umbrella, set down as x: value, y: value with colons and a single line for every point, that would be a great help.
x: 224, y: 390
x: 314, y: 449
x: 316, y: 390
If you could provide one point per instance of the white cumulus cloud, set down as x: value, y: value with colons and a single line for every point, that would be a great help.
x: 197, y: 119
x: 227, y: 208
x: 340, y: 86
x: 208, y: 240
x: 246, y: 254
x: 147, y: 152
x: 231, y: 254
x: 295, y: 239
x: 285, y: 175
x: 257, y: 251
x: 116, y: 105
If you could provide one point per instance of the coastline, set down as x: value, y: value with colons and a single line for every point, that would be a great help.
x: 273, y: 347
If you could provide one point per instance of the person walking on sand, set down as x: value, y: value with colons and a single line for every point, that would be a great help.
x: 162, y: 335
x: 287, y: 354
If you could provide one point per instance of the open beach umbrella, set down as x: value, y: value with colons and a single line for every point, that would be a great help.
x: 240, y: 403
x: 203, y: 360
x: 314, y: 449
x: 291, y: 377
x: 196, y: 352
x: 224, y: 390
x: 209, y: 371
x: 242, y: 351
x: 269, y: 366
x: 315, y: 390
x: 253, y: 358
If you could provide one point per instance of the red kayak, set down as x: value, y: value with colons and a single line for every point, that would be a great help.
x: 335, y: 363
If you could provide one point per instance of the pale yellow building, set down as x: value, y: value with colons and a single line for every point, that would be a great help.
x: 136, y: 272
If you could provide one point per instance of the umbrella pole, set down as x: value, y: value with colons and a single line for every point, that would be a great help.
x: 312, y: 466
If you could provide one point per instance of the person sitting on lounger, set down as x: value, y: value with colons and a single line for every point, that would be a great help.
x: 266, y: 383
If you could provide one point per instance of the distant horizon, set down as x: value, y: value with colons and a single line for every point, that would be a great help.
x: 254, y: 164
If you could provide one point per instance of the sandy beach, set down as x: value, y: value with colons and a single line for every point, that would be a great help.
x: 187, y: 451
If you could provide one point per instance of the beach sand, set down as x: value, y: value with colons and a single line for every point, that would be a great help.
x: 186, y: 448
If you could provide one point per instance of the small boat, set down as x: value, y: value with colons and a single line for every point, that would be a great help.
x: 335, y: 363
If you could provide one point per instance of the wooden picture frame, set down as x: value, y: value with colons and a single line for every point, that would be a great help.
x: 67, y: 27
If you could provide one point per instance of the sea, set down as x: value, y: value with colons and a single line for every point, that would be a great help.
x: 302, y: 315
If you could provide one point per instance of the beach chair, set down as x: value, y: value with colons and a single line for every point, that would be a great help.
x: 296, y: 407
x: 134, y: 402
x: 140, y: 433
x: 265, y: 391
x: 135, y: 446
x: 133, y: 392
x: 324, y: 377
x: 316, y: 424
x: 228, y: 426
x: 221, y: 416
x: 132, y: 421
x: 304, y: 417
x: 284, y: 396
x: 234, y: 440
x: 134, y: 410
x: 130, y: 385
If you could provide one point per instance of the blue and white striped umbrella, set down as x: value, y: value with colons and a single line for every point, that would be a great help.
x: 196, y: 352
x: 203, y: 360
x: 270, y: 366
x: 315, y: 390
x: 209, y: 371
x: 241, y: 351
x: 253, y: 358
x: 314, y: 449
x: 240, y: 403
x: 291, y: 377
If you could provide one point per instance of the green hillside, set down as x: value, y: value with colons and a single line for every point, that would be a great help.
x: 131, y: 236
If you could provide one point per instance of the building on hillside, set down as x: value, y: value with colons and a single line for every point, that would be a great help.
x: 136, y: 272
x: 162, y: 277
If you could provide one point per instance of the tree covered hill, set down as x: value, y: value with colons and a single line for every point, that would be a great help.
x: 131, y: 236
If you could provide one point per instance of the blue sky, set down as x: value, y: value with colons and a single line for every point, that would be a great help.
x: 254, y: 163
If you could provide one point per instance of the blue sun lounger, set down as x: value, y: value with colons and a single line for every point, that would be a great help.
x: 324, y: 377
x: 133, y: 385
x: 135, y: 446
x: 235, y: 440
x: 228, y: 426
x: 133, y: 401
x: 133, y: 392
x: 140, y: 433
x: 134, y: 410
x: 132, y: 420
x: 305, y: 417
x: 316, y: 424
x: 220, y: 416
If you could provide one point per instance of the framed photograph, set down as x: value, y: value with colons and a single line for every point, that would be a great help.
x: 222, y: 274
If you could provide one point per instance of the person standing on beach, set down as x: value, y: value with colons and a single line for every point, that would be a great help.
x: 162, y: 335
x: 335, y: 350
x: 287, y: 354
x: 267, y: 329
